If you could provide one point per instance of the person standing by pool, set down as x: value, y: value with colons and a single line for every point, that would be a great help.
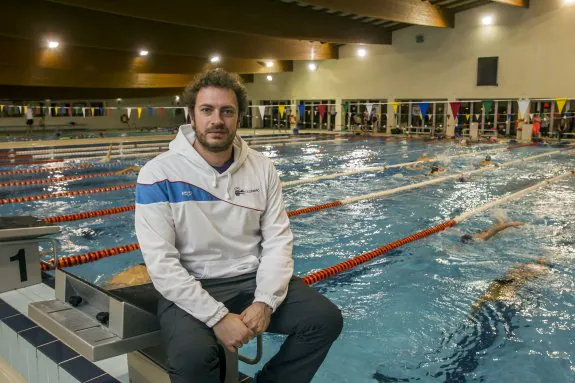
x: 216, y: 241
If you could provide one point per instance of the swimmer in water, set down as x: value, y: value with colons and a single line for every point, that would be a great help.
x: 487, y: 161
x: 493, y: 230
x: 506, y: 288
x: 436, y: 169
x: 419, y: 166
x: 108, y: 156
x: 134, y: 168
x: 132, y: 276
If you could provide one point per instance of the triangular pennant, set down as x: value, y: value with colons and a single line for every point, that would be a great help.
x: 523, y: 105
x: 423, y: 108
x: 262, y: 109
x: 282, y: 110
x: 174, y: 112
x: 455, y: 106
x: 395, y: 106
x: 561, y: 104
x: 531, y: 116
x: 477, y: 116
x: 92, y: 110
x: 346, y: 107
x: 84, y: 112
x: 467, y: 116
x: 430, y: 115
x: 487, y: 107
x: 301, y: 108
x: 369, y: 106
x: 150, y: 111
x: 161, y: 112
x: 139, y: 112
x: 186, y: 113
x: 69, y: 111
x: 25, y: 109
x: 128, y: 112
x: 322, y: 109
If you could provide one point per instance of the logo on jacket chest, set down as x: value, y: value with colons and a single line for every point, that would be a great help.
x: 239, y: 191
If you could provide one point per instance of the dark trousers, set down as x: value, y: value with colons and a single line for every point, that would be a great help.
x: 310, y: 320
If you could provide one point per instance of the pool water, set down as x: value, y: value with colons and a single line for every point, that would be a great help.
x: 407, y: 313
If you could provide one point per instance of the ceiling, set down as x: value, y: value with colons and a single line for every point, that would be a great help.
x: 100, y: 40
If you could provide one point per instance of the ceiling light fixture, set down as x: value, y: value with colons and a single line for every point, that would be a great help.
x: 215, y: 59
x: 144, y: 52
x: 487, y: 20
x: 52, y: 44
x: 362, y: 52
x: 269, y: 77
x: 269, y: 64
x: 312, y: 67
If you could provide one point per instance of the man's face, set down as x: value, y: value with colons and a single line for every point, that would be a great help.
x: 215, y: 119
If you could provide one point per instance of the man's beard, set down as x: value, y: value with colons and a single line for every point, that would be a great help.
x: 221, y: 146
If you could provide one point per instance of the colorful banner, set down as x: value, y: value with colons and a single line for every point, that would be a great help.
x: 322, y: 109
x: 423, y: 108
x: 161, y: 112
x: 129, y: 112
x: 150, y: 111
x: 369, y: 106
x: 560, y: 104
x: 487, y: 107
x: 282, y: 110
x: 477, y: 116
x: 455, y: 106
x: 523, y: 105
x: 139, y: 112
x: 262, y: 109
x: 395, y: 106
x: 467, y: 117
x: 301, y: 108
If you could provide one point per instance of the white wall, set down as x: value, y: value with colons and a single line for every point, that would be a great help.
x: 535, y: 48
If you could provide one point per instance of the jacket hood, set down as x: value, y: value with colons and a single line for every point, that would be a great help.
x: 183, y: 145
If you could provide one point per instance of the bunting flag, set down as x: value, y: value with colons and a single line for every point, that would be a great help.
x: 561, y: 104
x: 346, y: 107
x: 1, y: 108
x: 395, y: 106
x: 161, y: 112
x: 84, y: 112
x: 20, y: 109
x: 455, y: 106
x: 150, y: 111
x: 430, y: 115
x: 477, y: 116
x: 186, y: 113
x: 282, y: 110
x: 70, y: 112
x: 523, y: 105
x: 92, y: 109
x: 509, y: 116
x: 128, y: 112
x: 322, y: 109
x: 487, y: 107
x: 174, y: 112
x: 139, y: 112
x: 369, y: 106
x: 262, y: 109
x: 301, y: 108
x: 423, y: 108
x: 467, y: 116
x: 25, y: 109
x: 531, y: 116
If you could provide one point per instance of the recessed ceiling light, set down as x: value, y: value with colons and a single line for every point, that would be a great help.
x: 269, y: 77
x: 215, y: 59
x: 487, y: 20
x: 53, y: 44
x: 269, y: 64
x: 312, y: 67
x: 144, y: 52
x: 362, y: 52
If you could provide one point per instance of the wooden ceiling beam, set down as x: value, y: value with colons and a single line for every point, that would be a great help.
x: 39, y: 20
x: 25, y: 53
x: 256, y: 17
x: 403, y: 11
x: 515, y: 3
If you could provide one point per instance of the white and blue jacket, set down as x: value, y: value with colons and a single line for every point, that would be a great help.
x: 194, y: 223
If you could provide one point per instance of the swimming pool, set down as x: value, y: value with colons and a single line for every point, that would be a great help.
x: 407, y: 312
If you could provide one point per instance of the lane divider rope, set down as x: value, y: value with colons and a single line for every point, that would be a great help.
x: 358, y: 260
x: 38, y: 197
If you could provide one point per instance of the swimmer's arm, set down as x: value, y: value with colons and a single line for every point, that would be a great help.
x: 485, y: 235
x: 155, y: 229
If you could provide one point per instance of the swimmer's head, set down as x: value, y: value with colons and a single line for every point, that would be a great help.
x: 434, y: 169
x: 466, y: 238
x: 488, y: 158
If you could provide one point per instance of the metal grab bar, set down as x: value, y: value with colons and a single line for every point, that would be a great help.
x: 259, y: 353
